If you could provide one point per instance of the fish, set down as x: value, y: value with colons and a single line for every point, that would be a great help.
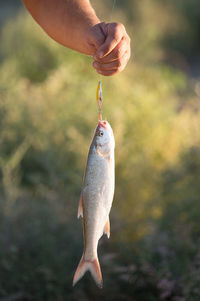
x: 96, y: 199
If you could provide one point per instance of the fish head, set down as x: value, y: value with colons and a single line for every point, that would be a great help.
x: 104, y: 138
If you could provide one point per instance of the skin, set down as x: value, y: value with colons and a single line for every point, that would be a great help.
x: 74, y: 24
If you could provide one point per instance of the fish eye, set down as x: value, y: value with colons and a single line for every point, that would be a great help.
x: 101, y: 134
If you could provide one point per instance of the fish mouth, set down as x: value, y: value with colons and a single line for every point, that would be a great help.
x: 102, y: 124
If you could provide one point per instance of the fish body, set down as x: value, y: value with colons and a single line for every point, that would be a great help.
x: 96, y: 199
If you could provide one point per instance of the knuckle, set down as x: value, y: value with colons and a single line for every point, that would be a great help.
x: 119, y: 25
x: 117, y: 53
x: 119, y: 63
x: 118, y: 28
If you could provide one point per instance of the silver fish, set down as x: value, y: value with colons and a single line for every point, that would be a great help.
x: 96, y: 199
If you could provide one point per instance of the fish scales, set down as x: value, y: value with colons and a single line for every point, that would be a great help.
x: 96, y: 199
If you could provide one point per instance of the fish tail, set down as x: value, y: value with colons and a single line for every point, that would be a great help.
x: 92, y: 266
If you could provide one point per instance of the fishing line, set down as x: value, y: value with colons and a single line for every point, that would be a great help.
x: 114, y: 2
x: 99, y: 86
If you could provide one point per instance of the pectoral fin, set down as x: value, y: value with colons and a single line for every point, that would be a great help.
x: 107, y: 228
x: 80, y: 207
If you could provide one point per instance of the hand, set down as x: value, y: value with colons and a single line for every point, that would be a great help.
x: 110, y: 45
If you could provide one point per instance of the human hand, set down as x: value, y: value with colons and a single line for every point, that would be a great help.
x: 110, y: 45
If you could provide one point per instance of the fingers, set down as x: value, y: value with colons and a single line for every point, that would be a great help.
x: 114, y: 33
x: 113, y: 55
x: 116, y: 53
x: 113, y: 67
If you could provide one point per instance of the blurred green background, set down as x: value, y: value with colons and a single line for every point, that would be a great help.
x: 48, y: 114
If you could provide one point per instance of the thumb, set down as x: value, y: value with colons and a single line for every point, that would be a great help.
x: 113, y: 34
x: 96, y: 37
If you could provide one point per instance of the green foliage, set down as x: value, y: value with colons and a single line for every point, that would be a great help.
x: 31, y: 55
x: 47, y: 116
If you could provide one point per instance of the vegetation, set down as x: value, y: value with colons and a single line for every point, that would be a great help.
x: 48, y: 114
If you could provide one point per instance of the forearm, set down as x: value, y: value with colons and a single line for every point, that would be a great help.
x: 66, y: 21
x: 74, y: 24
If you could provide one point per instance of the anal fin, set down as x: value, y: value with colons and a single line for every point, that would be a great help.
x: 80, y: 207
x: 107, y: 228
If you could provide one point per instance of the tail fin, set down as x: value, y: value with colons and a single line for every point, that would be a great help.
x: 93, y: 267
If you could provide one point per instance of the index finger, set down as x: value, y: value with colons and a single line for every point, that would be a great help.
x: 117, y: 52
x: 114, y: 35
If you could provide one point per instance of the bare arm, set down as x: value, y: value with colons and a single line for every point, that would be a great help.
x: 74, y: 24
